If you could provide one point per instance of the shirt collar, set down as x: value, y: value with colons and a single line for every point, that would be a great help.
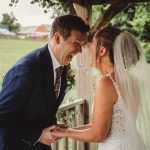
x: 55, y: 62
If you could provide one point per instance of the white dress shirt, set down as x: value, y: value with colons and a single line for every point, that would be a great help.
x: 55, y: 62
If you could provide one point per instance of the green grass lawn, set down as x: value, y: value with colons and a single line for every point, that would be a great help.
x: 12, y: 49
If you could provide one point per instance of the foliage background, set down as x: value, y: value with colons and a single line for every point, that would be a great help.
x: 135, y: 19
x: 11, y: 22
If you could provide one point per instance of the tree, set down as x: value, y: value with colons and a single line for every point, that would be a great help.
x: 11, y: 22
x: 59, y: 7
x: 135, y: 19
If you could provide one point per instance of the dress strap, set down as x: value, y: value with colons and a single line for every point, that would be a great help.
x: 115, y: 85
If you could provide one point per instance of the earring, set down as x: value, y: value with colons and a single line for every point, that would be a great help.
x: 99, y: 59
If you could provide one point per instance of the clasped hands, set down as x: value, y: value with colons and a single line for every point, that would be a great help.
x: 53, y: 133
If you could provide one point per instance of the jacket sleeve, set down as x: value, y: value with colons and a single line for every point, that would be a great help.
x: 14, y: 94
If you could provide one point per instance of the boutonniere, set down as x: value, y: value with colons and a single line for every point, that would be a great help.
x: 70, y: 77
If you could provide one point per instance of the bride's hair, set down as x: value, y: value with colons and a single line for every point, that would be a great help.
x: 106, y: 38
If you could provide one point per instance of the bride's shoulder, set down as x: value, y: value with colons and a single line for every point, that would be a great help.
x: 104, y: 82
x: 105, y: 88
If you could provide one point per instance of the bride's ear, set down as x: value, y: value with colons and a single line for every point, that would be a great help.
x: 102, y: 52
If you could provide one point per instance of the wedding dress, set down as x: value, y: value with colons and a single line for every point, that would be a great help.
x: 119, y: 137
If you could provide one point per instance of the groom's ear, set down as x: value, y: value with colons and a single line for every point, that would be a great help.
x: 57, y: 37
x: 102, y: 51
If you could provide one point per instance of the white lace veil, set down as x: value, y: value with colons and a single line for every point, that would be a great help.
x: 132, y: 74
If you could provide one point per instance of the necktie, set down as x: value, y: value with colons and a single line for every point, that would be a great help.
x: 58, y: 80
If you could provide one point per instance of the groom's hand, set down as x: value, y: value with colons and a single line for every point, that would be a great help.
x: 61, y: 126
x: 46, y: 137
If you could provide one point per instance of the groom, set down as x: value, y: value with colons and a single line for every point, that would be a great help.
x: 35, y: 86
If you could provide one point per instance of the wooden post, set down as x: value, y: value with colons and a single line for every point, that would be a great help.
x: 83, y: 66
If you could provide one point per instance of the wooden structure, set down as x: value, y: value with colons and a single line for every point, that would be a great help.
x: 83, y: 8
x: 78, y: 106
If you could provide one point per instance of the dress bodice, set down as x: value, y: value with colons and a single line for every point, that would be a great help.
x: 118, y: 128
x: 117, y: 132
x: 119, y: 136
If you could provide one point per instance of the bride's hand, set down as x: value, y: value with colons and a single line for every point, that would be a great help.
x: 60, y: 132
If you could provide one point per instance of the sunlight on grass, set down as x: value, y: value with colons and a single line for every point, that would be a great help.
x: 13, y: 49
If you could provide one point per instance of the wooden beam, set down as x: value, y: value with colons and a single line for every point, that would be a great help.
x: 83, y: 66
x: 115, y: 7
x: 83, y: 11
x: 98, y: 2
x: 72, y: 10
x: 80, y: 2
x: 108, y: 15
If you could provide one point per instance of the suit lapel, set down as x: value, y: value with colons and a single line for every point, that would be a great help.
x: 52, y: 102
x: 49, y: 82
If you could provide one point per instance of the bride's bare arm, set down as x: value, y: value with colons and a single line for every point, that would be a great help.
x: 104, y: 98
x: 86, y: 126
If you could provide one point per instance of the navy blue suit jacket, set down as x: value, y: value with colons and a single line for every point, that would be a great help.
x: 27, y: 101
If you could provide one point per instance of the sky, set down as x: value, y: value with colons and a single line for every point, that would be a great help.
x: 26, y: 13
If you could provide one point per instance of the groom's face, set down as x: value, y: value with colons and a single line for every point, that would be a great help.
x: 71, y: 46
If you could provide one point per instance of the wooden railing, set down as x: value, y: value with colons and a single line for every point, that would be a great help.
x: 74, y: 116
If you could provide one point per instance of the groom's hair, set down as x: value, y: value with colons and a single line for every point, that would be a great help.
x: 65, y: 24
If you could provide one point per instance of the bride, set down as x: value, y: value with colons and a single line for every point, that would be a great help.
x: 120, y: 119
